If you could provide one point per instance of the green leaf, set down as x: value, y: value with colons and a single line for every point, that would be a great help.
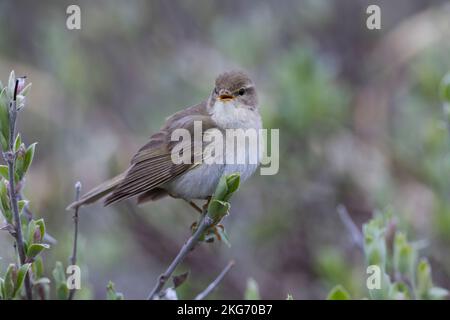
x: 38, y: 267
x: 424, y: 281
x: 35, y: 249
x: 11, y: 83
x: 29, y: 155
x: 22, y: 204
x: 17, y: 143
x: 218, y: 209
x: 111, y: 293
x: 399, y: 291
x: 4, y: 172
x: 404, y: 255
x: 21, y: 277
x: 252, y: 290
x: 59, y: 275
x: 338, y: 293
x: 385, y: 288
x: 41, y: 225
x: 221, y: 189
x: 233, y: 181
x: 31, y: 228
x: 9, y: 281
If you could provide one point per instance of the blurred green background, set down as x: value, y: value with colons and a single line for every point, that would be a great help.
x: 360, y: 120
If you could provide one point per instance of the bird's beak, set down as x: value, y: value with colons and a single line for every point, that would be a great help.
x: 226, y: 97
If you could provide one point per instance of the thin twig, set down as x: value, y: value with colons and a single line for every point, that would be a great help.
x: 215, y: 283
x: 10, y: 158
x: 354, y: 231
x: 204, y: 224
x: 73, y: 258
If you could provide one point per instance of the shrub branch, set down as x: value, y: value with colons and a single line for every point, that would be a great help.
x: 73, y: 258
x: 205, y: 223
x: 10, y: 158
x: 202, y: 295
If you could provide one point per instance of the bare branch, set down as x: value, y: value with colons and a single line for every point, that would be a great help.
x: 204, y: 224
x: 215, y: 283
x: 354, y: 231
x: 73, y: 258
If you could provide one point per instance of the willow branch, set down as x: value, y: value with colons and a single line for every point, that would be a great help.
x: 215, y: 283
x: 204, y: 224
x: 10, y: 158
x: 73, y: 258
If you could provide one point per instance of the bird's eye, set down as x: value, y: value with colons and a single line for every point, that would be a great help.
x: 241, y: 91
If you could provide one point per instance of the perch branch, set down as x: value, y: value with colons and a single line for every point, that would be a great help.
x: 204, y: 224
x: 216, y: 282
x: 73, y: 258
x: 10, y: 158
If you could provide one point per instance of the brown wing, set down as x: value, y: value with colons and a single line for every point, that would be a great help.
x: 152, y: 166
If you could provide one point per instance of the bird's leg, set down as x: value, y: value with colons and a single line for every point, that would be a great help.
x: 196, y: 207
x: 205, y: 206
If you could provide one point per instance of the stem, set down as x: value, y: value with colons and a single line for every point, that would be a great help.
x: 73, y: 258
x: 10, y: 158
x: 355, y: 233
x: 205, y: 223
x: 216, y: 282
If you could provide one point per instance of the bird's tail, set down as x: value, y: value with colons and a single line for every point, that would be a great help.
x: 98, y: 192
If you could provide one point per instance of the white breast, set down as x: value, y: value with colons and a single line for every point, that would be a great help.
x: 201, y: 182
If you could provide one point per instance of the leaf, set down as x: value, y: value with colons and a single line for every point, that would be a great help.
x: 21, y: 277
x: 36, y: 248
x: 404, y: 255
x: 17, y: 143
x: 11, y: 83
x: 252, y: 290
x: 9, y: 282
x: 41, y: 225
x: 399, y: 291
x: 180, y: 279
x: 424, y: 281
x: 289, y: 297
x: 339, y: 293
x: 38, y: 267
x: 30, y: 231
x: 4, y: 172
x: 62, y: 291
x: 25, y: 90
x: 111, y: 293
x: 58, y: 273
x: 21, y: 204
x: 233, y: 181
x: 217, y: 209
x: 29, y: 155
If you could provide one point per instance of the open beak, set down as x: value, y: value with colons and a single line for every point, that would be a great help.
x: 226, y: 97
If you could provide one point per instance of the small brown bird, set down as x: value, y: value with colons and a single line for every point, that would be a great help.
x: 153, y: 174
